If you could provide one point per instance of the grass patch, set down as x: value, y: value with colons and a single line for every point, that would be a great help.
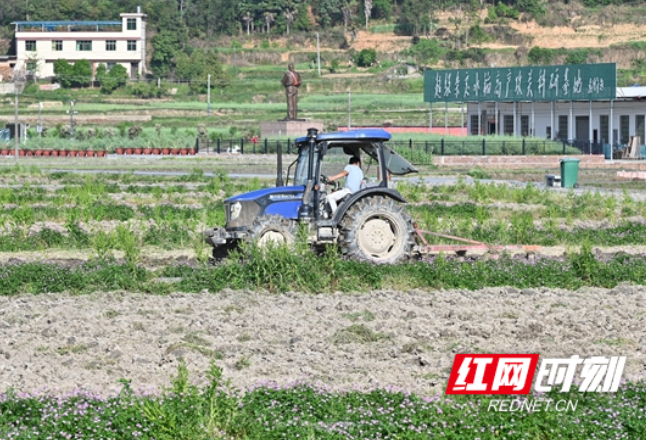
x: 204, y: 351
x: 357, y: 334
x: 366, y: 316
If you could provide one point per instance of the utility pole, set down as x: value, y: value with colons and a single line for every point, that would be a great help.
x: 72, y: 112
x: 40, y: 119
x: 16, y: 132
x: 349, y: 109
x: 318, y: 54
x: 208, y: 95
x: 18, y: 84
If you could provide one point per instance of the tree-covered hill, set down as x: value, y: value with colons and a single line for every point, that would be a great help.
x: 184, y: 34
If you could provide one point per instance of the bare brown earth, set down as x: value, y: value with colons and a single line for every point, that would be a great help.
x: 585, y: 36
x: 69, y: 342
x: 592, y: 31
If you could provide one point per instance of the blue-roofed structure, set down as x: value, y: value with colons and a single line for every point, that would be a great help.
x: 55, y: 26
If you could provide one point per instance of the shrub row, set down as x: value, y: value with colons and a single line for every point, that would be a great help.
x: 282, y: 269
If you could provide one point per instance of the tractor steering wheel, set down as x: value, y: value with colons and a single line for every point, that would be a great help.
x: 334, y: 183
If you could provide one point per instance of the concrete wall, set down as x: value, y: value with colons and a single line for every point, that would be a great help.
x: 6, y: 88
x: 516, y: 162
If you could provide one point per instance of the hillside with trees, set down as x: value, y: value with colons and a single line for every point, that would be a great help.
x: 184, y: 36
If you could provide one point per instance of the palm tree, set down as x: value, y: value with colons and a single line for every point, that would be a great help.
x: 248, y: 19
x: 289, y: 18
x: 347, y: 8
x: 367, y: 10
x: 269, y: 19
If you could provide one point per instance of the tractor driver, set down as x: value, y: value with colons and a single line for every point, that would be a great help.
x: 352, y: 182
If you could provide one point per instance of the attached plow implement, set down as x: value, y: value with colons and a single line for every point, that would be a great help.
x: 467, y: 247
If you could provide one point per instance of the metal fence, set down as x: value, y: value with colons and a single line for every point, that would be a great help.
x: 422, y: 152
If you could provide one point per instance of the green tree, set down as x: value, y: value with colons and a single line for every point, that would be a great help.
x: 427, y: 51
x: 302, y: 21
x: 381, y: 9
x: 533, y: 7
x: 577, y: 56
x: 64, y: 73
x: 327, y: 12
x: 366, y: 58
x: 477, y: 34
x: 198, y: 66
x: 414, y: 18
x: 166, y: 45
x: 539, y: 55
x: 112, y: 80
x: 82, y: 73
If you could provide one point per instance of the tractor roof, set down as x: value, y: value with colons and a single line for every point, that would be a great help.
x: 374, y: 134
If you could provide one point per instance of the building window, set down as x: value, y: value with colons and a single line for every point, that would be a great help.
x: 83, y: 46
x: 132, y: 45
x: 31, y: 65
x: 508, y: 124
x: 110, y: 66
x: 110, y: 45
x: 474, y: 124
x: 548, y: 132
x: 639, y: 129
x: 132, y: 24
x: 30, y: 46
x: 624, y: 129
x: 524, y: 125
x: 563, y: 128
x: 604, y: 129
x: 57, y: 45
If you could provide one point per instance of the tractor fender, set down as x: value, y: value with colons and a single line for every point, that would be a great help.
x: 377, y: 191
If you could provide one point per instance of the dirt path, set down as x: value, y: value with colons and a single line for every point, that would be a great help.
x: 68, y: 342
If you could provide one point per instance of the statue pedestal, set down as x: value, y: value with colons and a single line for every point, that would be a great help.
x: 292, y: 128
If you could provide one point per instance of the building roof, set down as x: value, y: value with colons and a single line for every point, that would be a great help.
x: 67, y: 23
x: 50, y: 26
x: 631, y: 92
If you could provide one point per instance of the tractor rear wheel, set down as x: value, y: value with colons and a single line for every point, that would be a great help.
x: 272, y: 228
x: 377, y: 229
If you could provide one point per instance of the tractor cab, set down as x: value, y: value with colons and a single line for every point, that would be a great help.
x: 329, y: 154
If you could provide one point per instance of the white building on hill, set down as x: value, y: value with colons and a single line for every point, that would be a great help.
x: 41, y: 43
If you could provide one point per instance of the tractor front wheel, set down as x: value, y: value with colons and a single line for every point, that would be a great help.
x: 272, y: 228
x: 377, y: 229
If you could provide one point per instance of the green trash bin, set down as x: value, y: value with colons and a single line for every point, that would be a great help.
x: 569, y: 172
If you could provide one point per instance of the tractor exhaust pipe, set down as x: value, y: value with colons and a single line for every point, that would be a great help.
x: 306, y: 210
x: 279, y: 168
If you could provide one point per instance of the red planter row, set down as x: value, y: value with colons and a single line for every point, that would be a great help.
x: 55, y: 153
x: 164, y: 151
x: 83, y: 153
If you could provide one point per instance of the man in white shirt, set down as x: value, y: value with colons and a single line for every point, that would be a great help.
x: 352, y: 182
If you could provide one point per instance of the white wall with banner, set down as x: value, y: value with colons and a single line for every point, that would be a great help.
x: 599, y: 122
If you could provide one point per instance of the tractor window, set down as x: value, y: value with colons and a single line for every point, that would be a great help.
x: 300, y: 179
x: 396, y: 164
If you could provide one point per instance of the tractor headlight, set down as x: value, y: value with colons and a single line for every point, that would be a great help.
x: 235, y: 210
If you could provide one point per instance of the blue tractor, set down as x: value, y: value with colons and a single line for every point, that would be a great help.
x: 369, y: 224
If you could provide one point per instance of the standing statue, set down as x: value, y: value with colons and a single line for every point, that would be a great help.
x: 291, y: 81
